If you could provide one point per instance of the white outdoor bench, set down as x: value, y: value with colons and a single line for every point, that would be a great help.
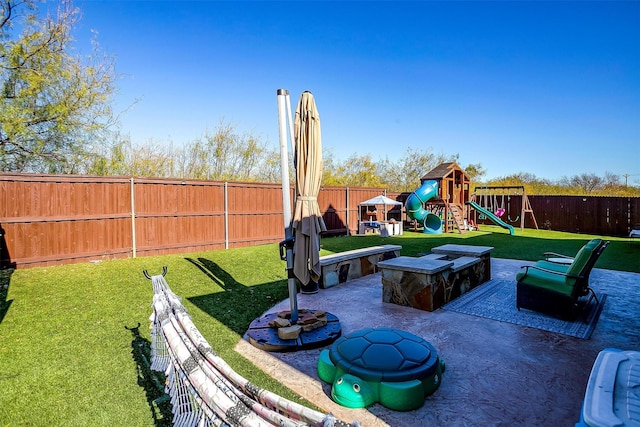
x: 344, y: 266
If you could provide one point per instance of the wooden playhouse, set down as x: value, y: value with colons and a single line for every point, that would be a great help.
x: 453, y: 193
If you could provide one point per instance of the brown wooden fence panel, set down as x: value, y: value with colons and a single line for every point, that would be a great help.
x: 178, y: 215
x: 55, y: 219
x: 633, y: 211
x: 48, y: 219
x: 255, y: 214
x: 619, y: 217
x: 607, y: 216
x: 333, y: 204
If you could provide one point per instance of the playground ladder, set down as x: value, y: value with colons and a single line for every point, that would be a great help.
x: 456, y: 213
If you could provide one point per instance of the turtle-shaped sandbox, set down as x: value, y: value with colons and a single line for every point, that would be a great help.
x: 389, y: 366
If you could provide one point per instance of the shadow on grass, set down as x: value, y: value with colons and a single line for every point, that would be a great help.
x: 5, y: 279
x: 238, y: 304
x: 150, y: 381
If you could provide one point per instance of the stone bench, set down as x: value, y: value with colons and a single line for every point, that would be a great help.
x: 428, y: 282
x: 343, y: 266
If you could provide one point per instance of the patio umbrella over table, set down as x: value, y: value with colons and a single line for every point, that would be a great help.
x: 307, y: 219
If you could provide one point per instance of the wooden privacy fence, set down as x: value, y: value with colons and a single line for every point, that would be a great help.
x: 58, y: 219
x: 606, y: 216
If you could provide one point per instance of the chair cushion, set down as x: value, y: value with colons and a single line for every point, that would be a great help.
x: 542, y: 279
x: 553, y: 266
x: 582, y: 257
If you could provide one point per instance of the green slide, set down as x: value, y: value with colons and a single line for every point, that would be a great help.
x: 491, y: 216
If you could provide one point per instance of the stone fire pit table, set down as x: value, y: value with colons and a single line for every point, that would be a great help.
x: 455, y: 251
x: 427, y: 283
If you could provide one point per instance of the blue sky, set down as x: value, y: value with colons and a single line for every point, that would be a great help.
x: 549, y: 88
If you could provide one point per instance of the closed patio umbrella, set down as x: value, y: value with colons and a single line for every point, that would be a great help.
x: 301, y: 246
x: 307, y: 219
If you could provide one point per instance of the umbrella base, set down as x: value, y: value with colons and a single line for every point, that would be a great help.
x: 263, y: 335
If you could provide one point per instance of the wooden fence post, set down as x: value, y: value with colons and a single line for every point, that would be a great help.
x: 226, y: 215
x: 347, y: 215
x: 133, y: 219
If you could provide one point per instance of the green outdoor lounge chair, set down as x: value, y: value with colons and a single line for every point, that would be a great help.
x: 556, y: 288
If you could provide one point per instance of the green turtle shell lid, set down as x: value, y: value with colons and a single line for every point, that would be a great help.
x: 381, y: 365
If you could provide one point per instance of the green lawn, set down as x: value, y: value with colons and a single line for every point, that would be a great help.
x: 66, y: 357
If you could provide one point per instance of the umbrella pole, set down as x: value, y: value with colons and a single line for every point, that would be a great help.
x: 286, y: 246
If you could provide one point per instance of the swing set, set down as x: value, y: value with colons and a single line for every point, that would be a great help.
x: 497, y: 199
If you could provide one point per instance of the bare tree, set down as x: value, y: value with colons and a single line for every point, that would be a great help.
x: 586, y: 183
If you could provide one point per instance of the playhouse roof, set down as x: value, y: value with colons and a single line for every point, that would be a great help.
x: 441, y: 171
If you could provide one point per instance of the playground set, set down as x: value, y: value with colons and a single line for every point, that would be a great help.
x: 492, y: 202
x: 444, y: 203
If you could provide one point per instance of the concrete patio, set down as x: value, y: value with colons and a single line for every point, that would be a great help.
x: 498, y: 374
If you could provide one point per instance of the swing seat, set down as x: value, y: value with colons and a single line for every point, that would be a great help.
x: 499, y: 212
